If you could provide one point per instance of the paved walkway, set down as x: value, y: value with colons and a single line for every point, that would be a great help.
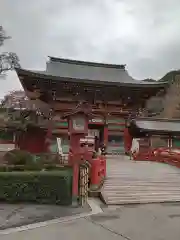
x: 140, y: 182
x: 15, y: 215
x: 159, y: 221
x: 133, y: 222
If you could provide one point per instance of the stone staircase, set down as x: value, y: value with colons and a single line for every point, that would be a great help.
x: 130, y: 182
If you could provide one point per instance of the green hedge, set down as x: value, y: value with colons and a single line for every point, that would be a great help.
x: 49, y: 187
x: 23, y: 168
x: 19, y: 160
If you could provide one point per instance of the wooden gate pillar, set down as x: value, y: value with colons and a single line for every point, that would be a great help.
x: 78, y: 129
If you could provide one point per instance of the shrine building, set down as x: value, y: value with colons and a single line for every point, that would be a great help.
x: 108, y: 88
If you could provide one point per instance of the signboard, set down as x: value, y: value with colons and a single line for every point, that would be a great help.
x: 111, y: 122
x: 64, y: 124
x: 96, y: 121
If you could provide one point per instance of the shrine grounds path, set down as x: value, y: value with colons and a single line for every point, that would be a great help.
x: 155, y: 221
x: 130, y: 182
x: 129, y: 222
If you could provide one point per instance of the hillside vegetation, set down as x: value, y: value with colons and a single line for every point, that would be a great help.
x: 168, y: 77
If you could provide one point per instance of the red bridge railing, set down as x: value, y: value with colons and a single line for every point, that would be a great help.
x: 163, y: 155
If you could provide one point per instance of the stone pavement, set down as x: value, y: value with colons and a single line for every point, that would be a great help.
x: 14, y: 215
x: 130, y: 222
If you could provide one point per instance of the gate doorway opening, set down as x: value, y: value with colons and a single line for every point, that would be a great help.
x: 97, y: 131
x: 115, y: 144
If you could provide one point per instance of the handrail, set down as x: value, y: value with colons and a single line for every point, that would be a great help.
x: 163, y: 155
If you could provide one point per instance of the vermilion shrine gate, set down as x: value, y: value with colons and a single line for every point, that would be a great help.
x: 64, y: 88
x: 111, y: 92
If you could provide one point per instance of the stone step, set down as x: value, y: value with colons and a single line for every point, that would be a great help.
x: 142, y: 188
x: 140, y: 182
x: 139, y: 197
x: 142, y: 194
x: 121, y: 201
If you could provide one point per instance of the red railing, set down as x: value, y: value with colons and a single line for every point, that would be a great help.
x: 98, y: 172
x: 163, y: 155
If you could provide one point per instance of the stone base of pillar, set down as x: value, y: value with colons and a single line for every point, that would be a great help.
x: 75, y: 201
x: 94, y: 187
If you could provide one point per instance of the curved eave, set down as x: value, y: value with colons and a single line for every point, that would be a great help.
x: 24, y: 73
x: 160, y: 126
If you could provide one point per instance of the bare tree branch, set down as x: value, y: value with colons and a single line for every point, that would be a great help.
x: 8, y: 60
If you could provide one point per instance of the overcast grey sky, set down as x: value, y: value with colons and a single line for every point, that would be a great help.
x: 144, y: 34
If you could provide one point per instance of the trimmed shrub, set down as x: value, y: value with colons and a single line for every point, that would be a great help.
x: 47, y: 158
x: 50, y: 187
x: 18, y: 157
x: 20, y: 160
x: 10, y: 168
x: 21, y: 168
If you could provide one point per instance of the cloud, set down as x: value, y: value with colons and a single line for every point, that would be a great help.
x: 144, y: 34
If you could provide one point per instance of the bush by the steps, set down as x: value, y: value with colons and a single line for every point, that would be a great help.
x: 18, y: 157
x: 50, y: 187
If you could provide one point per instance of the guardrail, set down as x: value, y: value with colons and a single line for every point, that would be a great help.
x: 163, y: 155
x: 98, y: 172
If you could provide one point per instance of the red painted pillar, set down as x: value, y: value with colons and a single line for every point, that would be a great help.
x: 95, y: 177
x: 127, y: 140
x: 74, y: 161
x: 106, y: 135
x: 75, y: 184
x: 48, y: 137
